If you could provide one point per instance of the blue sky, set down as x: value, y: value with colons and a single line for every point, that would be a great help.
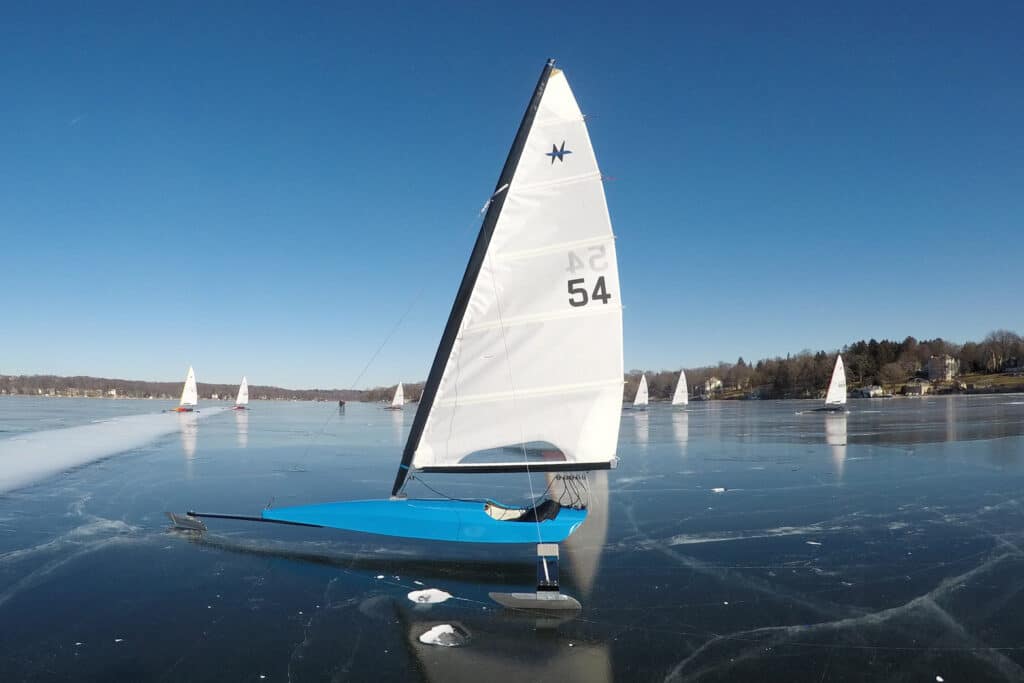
x: 264, y: 189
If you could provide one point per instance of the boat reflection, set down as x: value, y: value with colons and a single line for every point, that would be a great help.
x: 681, y: 427
x: 398, y: 424
x: 835, y: 437
x: 642, y: 425
x: 242, y: 426
x: 189, y: 425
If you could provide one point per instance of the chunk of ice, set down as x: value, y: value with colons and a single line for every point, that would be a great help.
x: 429, y: 596
x: 444, y: 635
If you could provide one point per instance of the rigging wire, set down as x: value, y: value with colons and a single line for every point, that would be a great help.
x: 515, y: 403
x: 444, y: 495
x: 398, y: 324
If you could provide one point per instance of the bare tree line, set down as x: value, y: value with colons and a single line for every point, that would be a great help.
x: 53, y: 385
x: 806, y: 374
x: 803, y: 375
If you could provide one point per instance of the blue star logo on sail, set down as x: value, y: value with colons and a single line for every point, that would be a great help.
x: 558, y: 152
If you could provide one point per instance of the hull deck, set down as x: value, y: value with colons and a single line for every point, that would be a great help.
x: 434, y: 520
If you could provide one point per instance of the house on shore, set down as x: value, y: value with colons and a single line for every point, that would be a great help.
x: 917, y: 387
x: 708, y: 388
x: 943, y: 368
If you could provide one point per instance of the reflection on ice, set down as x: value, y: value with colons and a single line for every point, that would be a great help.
x: 642, y: 425
x: 584, y: 548
x: 835, y: 437
x: 681, y: 427
x: 242, y: 425
x: 397, y: 424
x: 189, y: 434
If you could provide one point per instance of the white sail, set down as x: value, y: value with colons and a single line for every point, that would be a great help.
x: 243, y: 394
x: 537, y: 356
x: 399, y: 399
x: 836, y: 395
x: 641, y: 392
x: 682, y: 395
x: 189, y: 393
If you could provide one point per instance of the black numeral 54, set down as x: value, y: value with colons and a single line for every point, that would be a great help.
x: 578, y: 290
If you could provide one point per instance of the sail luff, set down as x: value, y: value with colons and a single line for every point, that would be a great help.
x: 243, y: 393
x: 837, y: 386
x: 469, y: 278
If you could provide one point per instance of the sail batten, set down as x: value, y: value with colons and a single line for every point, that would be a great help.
x: 538, y: 313
x: 520, y: 392
x: 548, y: 249
x: 540, y: 318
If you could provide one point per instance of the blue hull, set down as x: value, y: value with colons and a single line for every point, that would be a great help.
x: 431, y: 520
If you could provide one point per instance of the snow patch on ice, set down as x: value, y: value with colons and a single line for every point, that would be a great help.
x: 38, y: 455
x: 429, y: 596
x: 444, y: 635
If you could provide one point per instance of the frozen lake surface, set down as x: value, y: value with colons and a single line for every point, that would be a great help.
x: 736, y: 541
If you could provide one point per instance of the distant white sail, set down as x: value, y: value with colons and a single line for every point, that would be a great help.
x: 535, y: 336
x: 836, y: 395
x: 189, y: 394
x: 641, y: 392
x: 243, y: 394
x: 399, y: 400
x: 682, y: 395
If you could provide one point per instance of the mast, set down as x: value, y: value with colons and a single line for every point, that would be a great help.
x: 476, y: 260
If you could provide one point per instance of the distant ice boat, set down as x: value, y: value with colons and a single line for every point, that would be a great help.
x: 399, y: 399
x: 640, y: 401
x: 682, y: 395
x: 242, y: 401
x: 189, y: 394
x: 835, y: 398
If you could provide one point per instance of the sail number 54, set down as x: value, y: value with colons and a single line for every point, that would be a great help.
x: 580, y: 297
x: 580, y: 293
